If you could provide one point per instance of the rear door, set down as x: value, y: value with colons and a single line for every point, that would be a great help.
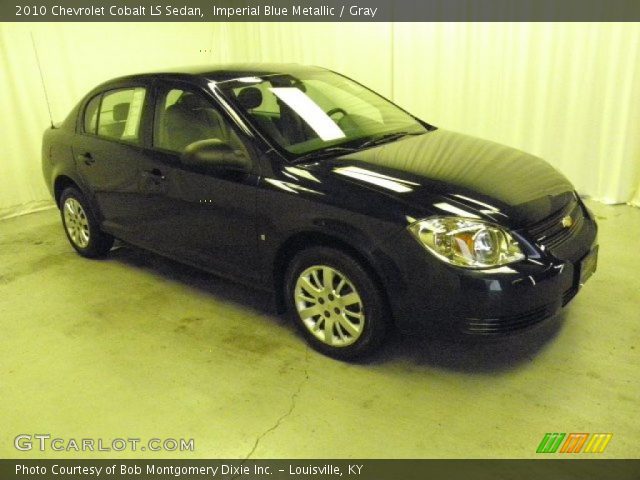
x: 108, y: 149
x: 204, y: 217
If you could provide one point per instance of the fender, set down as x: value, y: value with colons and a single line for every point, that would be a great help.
x: 65, y: 170
x: 337, y: 234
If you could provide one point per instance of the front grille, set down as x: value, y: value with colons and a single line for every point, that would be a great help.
x: 512, y: 323
x: 493, y: 326
x: 551, y: 232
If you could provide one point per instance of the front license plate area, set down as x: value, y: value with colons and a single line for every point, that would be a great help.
x: 588, y: 265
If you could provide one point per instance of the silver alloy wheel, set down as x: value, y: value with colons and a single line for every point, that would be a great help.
x: 329, y: 306
x: 76, y: 222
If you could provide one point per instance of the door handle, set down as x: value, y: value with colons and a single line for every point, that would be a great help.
x: 86, y: 158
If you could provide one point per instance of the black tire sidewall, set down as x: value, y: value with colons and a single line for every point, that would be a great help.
x: 99, y: 243
x: 372, y: 300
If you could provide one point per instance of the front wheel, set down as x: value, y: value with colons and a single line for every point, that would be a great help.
x: 81, y: 226
x: 335, y: 303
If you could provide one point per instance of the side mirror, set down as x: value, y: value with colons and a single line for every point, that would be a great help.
x: 215, y: 154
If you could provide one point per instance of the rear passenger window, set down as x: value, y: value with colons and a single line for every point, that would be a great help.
x: 91, y: 115
x: 120, y: 114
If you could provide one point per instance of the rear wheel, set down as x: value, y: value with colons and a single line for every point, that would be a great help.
x: 335, y: 303
x: 81, y: 226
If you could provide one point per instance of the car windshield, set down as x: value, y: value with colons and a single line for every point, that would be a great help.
x: 317, y: 110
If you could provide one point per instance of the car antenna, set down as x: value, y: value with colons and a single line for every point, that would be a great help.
x: 46, y: 96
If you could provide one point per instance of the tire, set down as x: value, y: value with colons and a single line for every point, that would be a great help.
x: 81, y: 227
x: 335, y: 303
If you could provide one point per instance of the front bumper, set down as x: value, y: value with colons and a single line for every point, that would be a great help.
x: 429, y: 294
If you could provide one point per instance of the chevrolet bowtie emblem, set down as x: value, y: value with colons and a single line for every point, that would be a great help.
x: 567, y: 221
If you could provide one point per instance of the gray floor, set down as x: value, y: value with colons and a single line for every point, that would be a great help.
x: 138, y: 346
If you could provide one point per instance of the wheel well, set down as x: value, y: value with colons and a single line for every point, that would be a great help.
x: 290, y: 248
x: 61, y: 183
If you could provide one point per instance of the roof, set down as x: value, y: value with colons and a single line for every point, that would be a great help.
x: 228, y: 71
x: 207, y: 73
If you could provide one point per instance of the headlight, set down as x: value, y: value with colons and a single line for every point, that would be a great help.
x: 466, y: 242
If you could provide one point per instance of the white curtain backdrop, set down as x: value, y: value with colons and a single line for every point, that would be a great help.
x: 569, y: 93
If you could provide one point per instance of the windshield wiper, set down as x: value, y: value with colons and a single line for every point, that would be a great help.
x: 324, y: 153
x: 386, y: 138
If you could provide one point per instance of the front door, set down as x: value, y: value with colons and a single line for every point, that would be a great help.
x: 203, y: 217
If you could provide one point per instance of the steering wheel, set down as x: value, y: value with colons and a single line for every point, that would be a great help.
x: 333, y: 111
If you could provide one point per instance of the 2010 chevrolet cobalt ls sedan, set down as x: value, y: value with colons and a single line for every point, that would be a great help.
x: 300, y: 181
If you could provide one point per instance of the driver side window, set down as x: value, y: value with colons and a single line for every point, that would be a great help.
x: 184, y: 117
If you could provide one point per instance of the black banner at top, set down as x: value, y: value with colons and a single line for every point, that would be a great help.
x: 319, y: 10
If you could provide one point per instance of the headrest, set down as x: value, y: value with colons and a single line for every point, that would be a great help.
x: 299, y: 85
x: 288, y: 81
x: 249, y: 98
x: 192, y: 101
x: 120, y: 112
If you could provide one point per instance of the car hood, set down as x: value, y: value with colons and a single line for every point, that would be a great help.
x: 443, y: 172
